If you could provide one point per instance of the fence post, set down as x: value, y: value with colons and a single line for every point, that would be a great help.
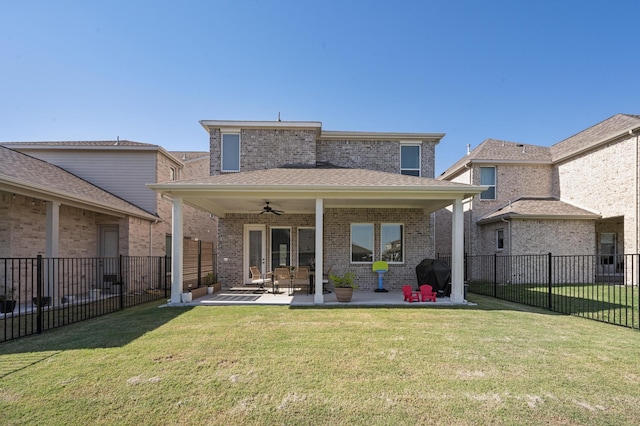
x: 199, y: 262
x: 39, y: 318
x: 495, y: 275
x: 550, y: 279
x: 121, y: 281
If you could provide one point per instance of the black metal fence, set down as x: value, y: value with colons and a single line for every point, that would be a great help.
x: 37, y: 294
x: 597, y: 287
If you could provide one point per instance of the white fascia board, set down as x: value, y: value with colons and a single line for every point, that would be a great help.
x: 239, y: 124
x: 404, y: 137
x: 311, y: 191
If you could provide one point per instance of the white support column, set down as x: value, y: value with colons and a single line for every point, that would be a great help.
x: 53, y: 229
x: 176, y: 249
x: 318, y: 297
x: 457, y: 258
x: 52, y: 244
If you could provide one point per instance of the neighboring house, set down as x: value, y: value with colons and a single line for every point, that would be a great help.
x: 45, y: 210
x: 347, y: 199
x: 122, y: 168
x: 579, y: 196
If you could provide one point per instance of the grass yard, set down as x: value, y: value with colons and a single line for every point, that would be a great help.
x: 499, y: 363
x: 614, y: 303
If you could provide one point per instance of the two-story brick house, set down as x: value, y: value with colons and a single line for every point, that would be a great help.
x: 579, y: 196
x: 120, y: 168
x: 344, y: 197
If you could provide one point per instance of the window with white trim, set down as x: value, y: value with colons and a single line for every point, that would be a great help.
x: 410, y: 160
x: 392, y: 242
x: 488, y: 178
x: 173, y: 174
x: 361, y: 243
x: 230, y: 152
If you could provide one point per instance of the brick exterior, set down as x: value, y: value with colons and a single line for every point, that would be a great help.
x: 604, y: 180
x: 380, y: 155
x: 418, y: 242
x: 23, y: 222
x: 268, y: 148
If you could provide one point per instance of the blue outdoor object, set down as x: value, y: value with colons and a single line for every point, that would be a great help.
x: 380, y: 267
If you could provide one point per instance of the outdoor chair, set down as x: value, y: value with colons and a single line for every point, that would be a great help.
x: 301, y: 278
x: 427, y: 293
x: 281, y: 278
x: 325, y: 279
x: 257, y: 278
x: 410, y: 295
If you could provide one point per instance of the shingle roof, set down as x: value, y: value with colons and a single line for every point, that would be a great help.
x: 320, y: 177
x: 79, y: 144
x: 493, y: 150
x: 538, y: 208
x: 25, y: 171
x: 607, y: 129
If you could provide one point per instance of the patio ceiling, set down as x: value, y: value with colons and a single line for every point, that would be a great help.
x: 295, y: 190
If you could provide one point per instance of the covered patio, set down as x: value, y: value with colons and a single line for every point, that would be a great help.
x: 313, y: 193
x: 361, y: 298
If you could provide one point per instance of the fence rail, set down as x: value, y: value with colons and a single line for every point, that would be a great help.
x: 597, y: 287
x: 37, y: 294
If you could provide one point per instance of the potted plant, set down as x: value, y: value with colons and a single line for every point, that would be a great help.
x: 7, y: 302
x: 41, y: 301
x: 344, y: 286
x: 209, y: 280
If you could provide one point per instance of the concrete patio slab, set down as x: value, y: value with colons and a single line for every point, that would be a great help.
x: 361, y: 298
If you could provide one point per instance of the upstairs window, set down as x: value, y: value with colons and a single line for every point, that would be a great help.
x: 230, y: 152
x: 488, y: 177
x: 173, y: 175
x: 410, y: 160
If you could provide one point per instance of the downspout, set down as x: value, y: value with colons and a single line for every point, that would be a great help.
x: 637, y: 248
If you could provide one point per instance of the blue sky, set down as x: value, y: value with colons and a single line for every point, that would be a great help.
x: 526, y: 71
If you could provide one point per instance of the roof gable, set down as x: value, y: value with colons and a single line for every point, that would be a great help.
x: 608, y: 129
x: 538, y: 208
x: 498, y: 151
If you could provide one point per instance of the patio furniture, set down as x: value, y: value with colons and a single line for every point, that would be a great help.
x: 301, y: 278
x: 325, y: 280
x: 410, y: 295
x: 427, y: 293
x: 281, y: 278
x: 259, y: 279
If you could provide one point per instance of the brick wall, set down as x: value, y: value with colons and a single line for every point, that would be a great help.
x: 605, y: 181
x: 418, y: 242
x: 268, y: 148
x: 380, y: 155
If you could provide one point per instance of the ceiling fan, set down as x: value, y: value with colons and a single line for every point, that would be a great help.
x: 267, y: 209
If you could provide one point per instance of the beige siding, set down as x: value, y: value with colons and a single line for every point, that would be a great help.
x: 123, y: 173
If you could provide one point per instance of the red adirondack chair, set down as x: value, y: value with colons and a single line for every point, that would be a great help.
x: 427, y: 293
x: 410, y: 295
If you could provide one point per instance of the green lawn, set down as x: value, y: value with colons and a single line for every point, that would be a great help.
x: 499, y: 363
x: 614, y: 303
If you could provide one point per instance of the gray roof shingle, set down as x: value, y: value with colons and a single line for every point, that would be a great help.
x: 538, y: 208
x: 493, y: 150
x: 611, y: 127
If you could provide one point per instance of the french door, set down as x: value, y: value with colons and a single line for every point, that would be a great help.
x: 255, y: 249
